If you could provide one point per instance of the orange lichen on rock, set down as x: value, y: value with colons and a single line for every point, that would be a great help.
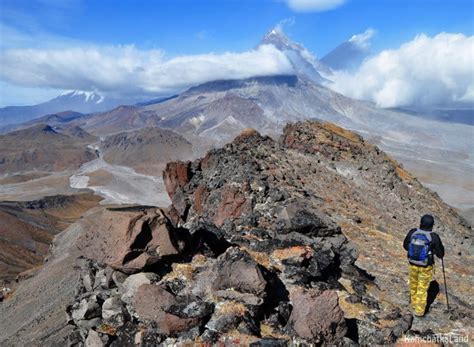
x: 403, y: 174
x: 349, y: 135
x: 293, y: 252
x: 260, y: 257
x: 249, y: 132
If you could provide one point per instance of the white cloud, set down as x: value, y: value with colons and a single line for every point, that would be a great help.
x: 314, y: 5
x: 435, y: 70
x: 286, y: 22
x: 363, y: 39
x: 128, y: 70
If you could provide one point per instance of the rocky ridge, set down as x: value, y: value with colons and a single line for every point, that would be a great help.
x: 266, y: 242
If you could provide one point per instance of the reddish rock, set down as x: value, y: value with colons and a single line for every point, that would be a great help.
x: 176, y: 175
x: 316, y: 316
x: 200, y: 196
x: 151, y: 303
x: 128, y: 240
x: 232, y: 204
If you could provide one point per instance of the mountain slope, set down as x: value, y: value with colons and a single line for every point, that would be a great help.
x: 268, y: 242
x: 213, y: 113
x: 41, y: 148
x: 350, y: 54
x: 77, y: 101
x: 118, y: 119
x: 273, y: 101
x: 27, y: 229
x: 321, y: 167
x: 55, y: 119
x: 146, y: 150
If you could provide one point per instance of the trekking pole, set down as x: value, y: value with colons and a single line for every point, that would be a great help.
x: 445, y: 285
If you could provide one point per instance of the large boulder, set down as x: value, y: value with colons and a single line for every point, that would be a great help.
x: 316, y: 316
x: 130, y: 239
x: 236, y: 269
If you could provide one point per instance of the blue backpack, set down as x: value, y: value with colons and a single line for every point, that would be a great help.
x: 419, y: 249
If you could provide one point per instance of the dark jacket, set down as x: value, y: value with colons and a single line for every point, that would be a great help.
x: 436, y: 245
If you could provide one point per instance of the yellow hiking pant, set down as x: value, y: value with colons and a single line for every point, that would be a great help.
x: 420, y: 278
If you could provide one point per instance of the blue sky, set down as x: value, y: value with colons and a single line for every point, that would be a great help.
x: 185, y: 27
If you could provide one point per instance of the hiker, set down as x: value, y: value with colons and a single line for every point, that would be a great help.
x: 421, y: 244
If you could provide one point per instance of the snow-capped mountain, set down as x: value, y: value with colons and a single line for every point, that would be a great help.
x: 303, y: 61
x: 92, y: 97
x: 350, y: 54
x: 73, y: 100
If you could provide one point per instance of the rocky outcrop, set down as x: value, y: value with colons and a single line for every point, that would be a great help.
x: 256, y: 257
x: 131, y: 239
x: 266, y: 242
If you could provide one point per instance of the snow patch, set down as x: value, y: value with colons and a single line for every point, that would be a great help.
x: 88, y: 95
x: 79, y: 181
x: 197, y: 121
x: 345, y: 172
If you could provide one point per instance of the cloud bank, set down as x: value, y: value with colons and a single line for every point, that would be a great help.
x: 362, y: 40
x: 127, y: 70
x: 314, y: 5
x: 426, y: 71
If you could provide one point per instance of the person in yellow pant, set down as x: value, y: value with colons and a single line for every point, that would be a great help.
x: 420, y: 279
x: 421, y: 245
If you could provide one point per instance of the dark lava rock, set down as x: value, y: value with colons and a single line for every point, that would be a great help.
x: 252, y: 246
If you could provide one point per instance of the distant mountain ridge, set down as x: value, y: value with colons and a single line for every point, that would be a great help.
x: 77, y: 101
x: 349, y: 54
x: 212, y: 113
x: 146, y: 150
x: 42, y: 148
x: 346, y: 56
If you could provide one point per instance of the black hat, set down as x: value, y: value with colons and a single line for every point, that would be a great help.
x: 427, y: 222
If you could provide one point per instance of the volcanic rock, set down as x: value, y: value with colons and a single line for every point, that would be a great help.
x: 133, y: 282
x: 153, y: 303
x: 266, y: 242
x: 87, y: 309
x: 236, y: 269
x: 316, y: 316
x: 93, y: 339
x: 130, y: 240
x: 112, y: 311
